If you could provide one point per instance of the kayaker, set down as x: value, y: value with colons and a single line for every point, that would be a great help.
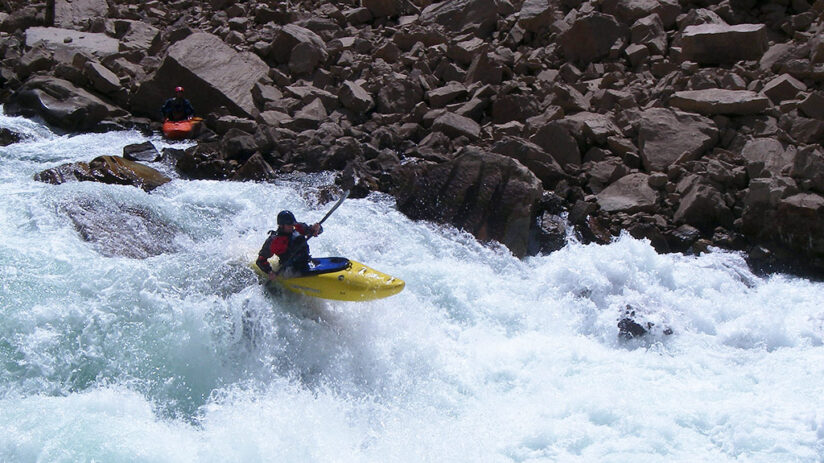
x: 289, y: 244
x: 177, y: 108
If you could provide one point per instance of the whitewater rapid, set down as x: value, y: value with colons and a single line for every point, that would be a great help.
x: 183, y: 357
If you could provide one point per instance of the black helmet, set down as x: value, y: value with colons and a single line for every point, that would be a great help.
x: 286, y: 218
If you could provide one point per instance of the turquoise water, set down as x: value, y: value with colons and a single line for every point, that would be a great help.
x: 180, y: 356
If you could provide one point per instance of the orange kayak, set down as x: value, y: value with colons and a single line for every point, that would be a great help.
x: 178, y: 130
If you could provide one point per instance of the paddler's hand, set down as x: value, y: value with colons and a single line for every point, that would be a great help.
x: 315, y: 229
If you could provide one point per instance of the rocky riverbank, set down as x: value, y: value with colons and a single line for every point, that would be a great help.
x: 691, y: 123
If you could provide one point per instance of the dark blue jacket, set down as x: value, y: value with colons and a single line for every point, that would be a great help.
x: 177, y: 109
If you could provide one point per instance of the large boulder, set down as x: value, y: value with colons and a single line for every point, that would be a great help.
x: 494, y: 197
x: 666, y: 136
x: 724, y: 44
x: 60, y: 104
x: 214, y: 75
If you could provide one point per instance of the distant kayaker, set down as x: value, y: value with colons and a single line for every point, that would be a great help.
x: 289, y: 244
x: 177, y: 108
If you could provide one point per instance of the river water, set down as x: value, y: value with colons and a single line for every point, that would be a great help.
x: 110, y: 352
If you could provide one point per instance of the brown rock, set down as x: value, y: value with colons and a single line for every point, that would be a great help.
x: 715, y: 101
x: 629, y: 194
x: 723, y: 44
x: 590, y: 38
x: 666, y: 137
x: 455, y: 126
x: 783, y: 87
x: 462, y: 15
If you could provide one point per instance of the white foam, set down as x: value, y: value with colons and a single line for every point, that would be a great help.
x: 483, y: 357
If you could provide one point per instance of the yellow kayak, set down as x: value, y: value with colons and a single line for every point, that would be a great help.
x: 341, y: 279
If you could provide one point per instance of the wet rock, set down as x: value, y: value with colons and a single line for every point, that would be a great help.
x: 493, y: 197
x: 7, y: 137
x: 113, y: 170
x: 631, y: 324
x: 61, y: 104
x: 141, y: 152
x: 122, y: 230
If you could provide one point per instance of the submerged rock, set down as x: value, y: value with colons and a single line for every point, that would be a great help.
x: 113, y: 170
x: 122, y: 230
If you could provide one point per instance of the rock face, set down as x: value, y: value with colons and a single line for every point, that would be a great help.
x: 689, y: 123
x: 213, y: 74
x: 480, y: 192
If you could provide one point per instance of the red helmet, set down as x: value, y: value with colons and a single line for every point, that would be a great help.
x: 179, y: 89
